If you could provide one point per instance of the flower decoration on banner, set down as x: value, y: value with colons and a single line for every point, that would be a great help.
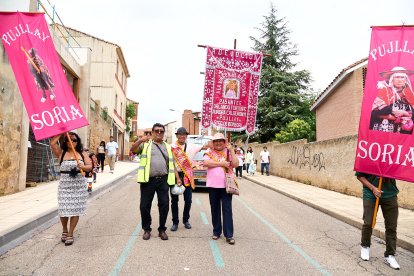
x: 231, y: 89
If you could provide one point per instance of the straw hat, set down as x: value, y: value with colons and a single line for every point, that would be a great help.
x: 218, y: 136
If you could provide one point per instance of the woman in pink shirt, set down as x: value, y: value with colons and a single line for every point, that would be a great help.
x: 217, y: 160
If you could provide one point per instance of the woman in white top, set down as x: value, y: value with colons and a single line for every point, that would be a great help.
x: 100, y: 154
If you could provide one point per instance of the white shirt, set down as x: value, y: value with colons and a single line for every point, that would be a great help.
x: 264, y: 156
x: 111, y: 147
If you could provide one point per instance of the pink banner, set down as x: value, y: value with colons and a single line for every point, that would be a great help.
x: 385, y: 139
x: 47, y: 96
x: 231, y: 89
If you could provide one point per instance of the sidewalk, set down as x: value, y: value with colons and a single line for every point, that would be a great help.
x: 343, y: 207
x: 25, y: 213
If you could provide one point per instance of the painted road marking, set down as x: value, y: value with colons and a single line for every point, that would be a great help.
x: 216, y: 254
x: 309, y: 259
x: 204, y: 218
x: 124, y: 255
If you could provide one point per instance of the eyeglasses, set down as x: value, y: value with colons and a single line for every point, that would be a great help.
x: 159, y: 131
x: 73, y: 140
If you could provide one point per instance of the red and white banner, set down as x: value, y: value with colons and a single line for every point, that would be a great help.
x: 386, y: 139
x: 47, y: 95
x: 231, y: 89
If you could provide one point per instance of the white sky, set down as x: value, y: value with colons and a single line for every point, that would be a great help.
x: 159, y: 39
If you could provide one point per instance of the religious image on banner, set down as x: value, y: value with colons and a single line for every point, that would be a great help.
x: 385, y: 137
x: 40, y: 73
x: 231, y: 89
x: 45, y: 90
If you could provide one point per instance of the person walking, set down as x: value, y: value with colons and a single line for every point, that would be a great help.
x: 240, y: 158
x: 72, y: 193
x: 156, y: 173
x: 265, y: 160
x: 100, y: 154
x: 218, y: 160
x: 183, y: 155
x: 389, y: 206
x: 249, y: 158
x: 112, y: 153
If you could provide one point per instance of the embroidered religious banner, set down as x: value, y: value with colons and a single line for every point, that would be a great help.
x: 385, y: 138
x: 230, y: 90
x: 46, y: 93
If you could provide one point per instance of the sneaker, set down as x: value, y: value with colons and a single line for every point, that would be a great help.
x: 147, y: 235
x: 174, y: 227
x: 43, y: 99
x: 392, y: 262
x: 365, y: 253
x: 163, y: 235
x: 52, y: 97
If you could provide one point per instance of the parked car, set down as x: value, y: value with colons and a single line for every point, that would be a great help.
x: 200, y: 172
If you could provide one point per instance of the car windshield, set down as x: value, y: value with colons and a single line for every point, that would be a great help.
x: 198, y: 140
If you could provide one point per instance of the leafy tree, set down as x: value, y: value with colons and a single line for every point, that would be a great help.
x: 282, y: 96
x: 129, y: 114
x: 295, y: 130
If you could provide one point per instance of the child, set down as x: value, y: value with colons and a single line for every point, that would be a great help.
x: 92, y: 175
x: 252, y: 167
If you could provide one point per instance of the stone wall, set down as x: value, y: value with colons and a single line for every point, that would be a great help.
x: 11, y: 113
x: 326, y: 164
x: 99, y: 126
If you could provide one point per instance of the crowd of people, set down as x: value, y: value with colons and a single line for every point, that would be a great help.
x: 163, y: 166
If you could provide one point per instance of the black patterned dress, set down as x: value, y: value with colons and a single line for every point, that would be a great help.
x: 72, y: 191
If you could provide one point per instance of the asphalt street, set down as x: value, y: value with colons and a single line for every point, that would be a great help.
x: 275, y: 235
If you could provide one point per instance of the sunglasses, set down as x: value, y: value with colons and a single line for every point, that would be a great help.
x: 73, y: 140
x: 159, y: 131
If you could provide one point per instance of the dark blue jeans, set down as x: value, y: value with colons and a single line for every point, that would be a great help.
x: 148, y: 190
x: 265, y: 165
x: 220, y: 201
x: 188, y: 195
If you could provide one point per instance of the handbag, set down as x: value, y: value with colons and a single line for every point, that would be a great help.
x: 231, y: 184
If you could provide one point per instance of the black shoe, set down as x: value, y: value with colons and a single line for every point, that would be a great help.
x: 187, y: 225
x: 174, y: 227
x: 147, y: 235
x: 163, y: 235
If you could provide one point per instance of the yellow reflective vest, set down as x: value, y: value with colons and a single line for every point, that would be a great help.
x: 145, y: 164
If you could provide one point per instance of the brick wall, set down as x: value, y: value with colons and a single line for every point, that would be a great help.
x: 338, y: 115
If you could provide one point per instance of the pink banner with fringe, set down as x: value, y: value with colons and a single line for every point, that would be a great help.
x: 45, y: 90
x: 231, y: 89
x: 385, y: 138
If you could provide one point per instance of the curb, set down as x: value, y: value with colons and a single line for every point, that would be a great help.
x: 380, y: 234
x: 30, y: 228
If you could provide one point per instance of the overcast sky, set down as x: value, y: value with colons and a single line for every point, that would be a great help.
x: 159, y: 39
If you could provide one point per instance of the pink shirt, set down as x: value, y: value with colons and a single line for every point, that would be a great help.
x: 216, y: 177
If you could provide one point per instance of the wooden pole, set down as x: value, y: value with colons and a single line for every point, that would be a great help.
x: 374, y: 217
x: 73, y: 150
x: 30, y: 59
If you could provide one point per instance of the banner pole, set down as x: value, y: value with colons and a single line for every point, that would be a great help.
x: 374, y: 217
x: 73, y: 150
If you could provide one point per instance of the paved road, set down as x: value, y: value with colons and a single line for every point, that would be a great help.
x: 275, y: 235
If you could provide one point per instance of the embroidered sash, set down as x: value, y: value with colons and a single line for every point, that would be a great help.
x: 184, y: 163
x: 219, y: 156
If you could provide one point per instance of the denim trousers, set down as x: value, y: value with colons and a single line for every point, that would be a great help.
x: 389, y: 209
x: 221, y: 201
x: 265, y: 165
x: 188, y: 195
x: 148, y: 190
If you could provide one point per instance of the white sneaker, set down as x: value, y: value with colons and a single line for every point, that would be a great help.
x: 392, y: 262
x: 43, y: 99
x: 52, y: 97
x: 365, y: 253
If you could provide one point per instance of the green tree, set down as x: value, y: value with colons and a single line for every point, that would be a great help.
x: 129, y: 114
x: 282, y: 97
x: 295, y: 130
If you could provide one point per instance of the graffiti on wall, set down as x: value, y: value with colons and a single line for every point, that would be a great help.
x: 302, y: 157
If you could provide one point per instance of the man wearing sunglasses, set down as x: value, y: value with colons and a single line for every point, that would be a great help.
x: 156, y: 173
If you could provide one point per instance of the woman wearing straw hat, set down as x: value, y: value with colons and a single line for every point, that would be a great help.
x: 392, y: 110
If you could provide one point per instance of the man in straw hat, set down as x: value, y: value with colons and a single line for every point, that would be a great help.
x: 183, y: 155
x: 392, y: 110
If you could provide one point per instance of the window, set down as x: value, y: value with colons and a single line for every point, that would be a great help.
x: 117, y: 67
x: 116, y: 102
